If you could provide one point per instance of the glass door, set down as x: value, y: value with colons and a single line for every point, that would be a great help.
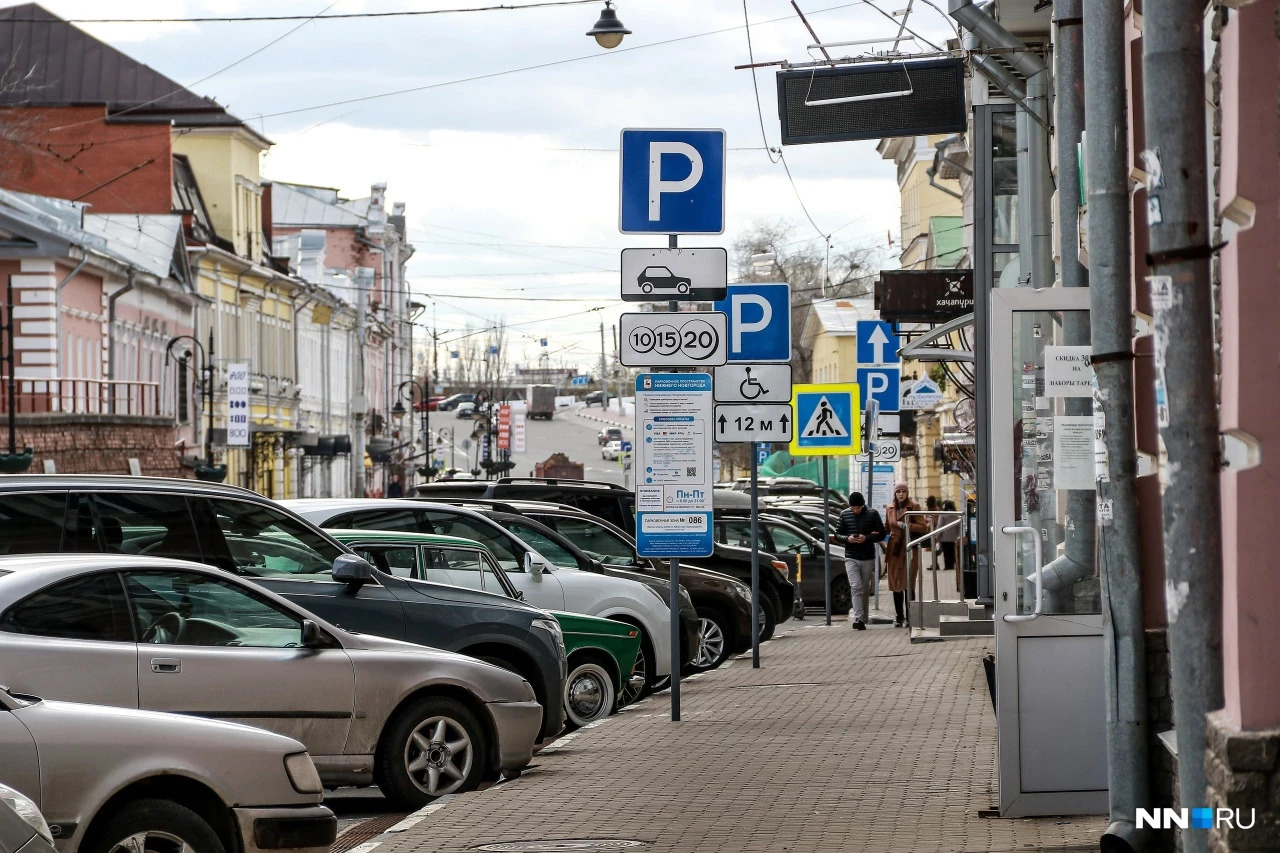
x: 1050, y: 710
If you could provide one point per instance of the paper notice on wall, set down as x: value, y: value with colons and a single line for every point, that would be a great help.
x: 1073, y: 452
x: 1067, y: 372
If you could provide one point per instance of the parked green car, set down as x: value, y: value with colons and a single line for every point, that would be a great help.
x: 601, y: 652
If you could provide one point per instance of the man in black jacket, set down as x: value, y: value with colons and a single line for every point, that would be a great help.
x: 859, y: 530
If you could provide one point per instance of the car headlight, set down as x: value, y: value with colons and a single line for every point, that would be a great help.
x: 302, y: 773
x: 553, y: 628
x: 27, y: 810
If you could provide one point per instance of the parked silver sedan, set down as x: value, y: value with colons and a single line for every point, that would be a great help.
x: 116, y: 780
x: 169, y: 635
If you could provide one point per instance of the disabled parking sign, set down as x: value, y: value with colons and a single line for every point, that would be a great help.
x: 826, y: 420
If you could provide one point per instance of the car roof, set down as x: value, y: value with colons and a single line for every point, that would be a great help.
x: 400, y: 536
x: 25, y: 573
x: 53, y: 482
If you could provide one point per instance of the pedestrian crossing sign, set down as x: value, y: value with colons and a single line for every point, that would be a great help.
x: 827, y: 420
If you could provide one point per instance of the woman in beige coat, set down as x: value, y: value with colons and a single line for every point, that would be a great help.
x: 895, y: 560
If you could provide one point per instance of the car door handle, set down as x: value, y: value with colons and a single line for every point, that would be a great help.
x: 166, y: 665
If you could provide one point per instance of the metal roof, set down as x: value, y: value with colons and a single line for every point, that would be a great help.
x: 295, y: 204
x: 145, y: 241
x: 62, y: 65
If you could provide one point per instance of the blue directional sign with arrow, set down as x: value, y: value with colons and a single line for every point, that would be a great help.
x: 877, y: 344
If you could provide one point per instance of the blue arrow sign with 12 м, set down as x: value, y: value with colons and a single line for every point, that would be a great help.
x: 877, y: 344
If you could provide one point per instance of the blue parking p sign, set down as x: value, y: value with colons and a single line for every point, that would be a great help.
x: 672, y: 182
x: 882, y: 384
x: 759, y: 322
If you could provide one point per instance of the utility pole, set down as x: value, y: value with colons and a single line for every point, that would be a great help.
x: 614, y: 338
x: 1186, y: 405
x: 604, y: 376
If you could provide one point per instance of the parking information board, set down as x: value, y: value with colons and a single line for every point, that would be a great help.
x: 237, y: 405
x: 673, y: 465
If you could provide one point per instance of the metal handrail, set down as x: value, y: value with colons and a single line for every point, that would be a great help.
x: 1014, y: 529
x: 932, y: 535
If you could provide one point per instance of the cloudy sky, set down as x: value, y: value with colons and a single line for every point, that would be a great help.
x: 506, y: 153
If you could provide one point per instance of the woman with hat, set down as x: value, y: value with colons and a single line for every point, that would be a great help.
x: 900, y: 531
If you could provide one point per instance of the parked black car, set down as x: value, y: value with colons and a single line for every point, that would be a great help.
x: 609, y: 501
x: 242, y: 532
x: 802, y: 552
x: 723, y: 603
x: 450, y: 403
x: 510, y: 538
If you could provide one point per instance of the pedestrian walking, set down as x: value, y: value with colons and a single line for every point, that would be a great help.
x: 395, y: 490
x: 858, y: 530
x: 902, y: 584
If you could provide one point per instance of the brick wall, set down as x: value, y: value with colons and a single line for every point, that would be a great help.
x: 1243, y: 770
x: 87, y: 444
x: 71, y: 152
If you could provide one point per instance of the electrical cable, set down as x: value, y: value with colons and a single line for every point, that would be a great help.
x: 755, y: 84
x: 539, y: 66
x: 207, y: 77
x: 241, y: 19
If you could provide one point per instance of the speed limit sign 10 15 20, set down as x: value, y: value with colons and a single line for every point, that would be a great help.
x: 695, y: 339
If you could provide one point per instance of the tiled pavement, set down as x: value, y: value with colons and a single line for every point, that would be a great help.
x: 844, y: 740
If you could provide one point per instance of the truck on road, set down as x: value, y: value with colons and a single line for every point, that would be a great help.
x: 540, y: 401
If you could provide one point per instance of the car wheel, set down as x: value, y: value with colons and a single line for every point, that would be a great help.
x: 433, y: 747
x: 770, y: 606
x: 841, y: 597
x: 154, y: 826
x: 715, y: 641
x: 638, y: 684
x: 647, y: 287
x: 589, y: 692
x: 682, y: 287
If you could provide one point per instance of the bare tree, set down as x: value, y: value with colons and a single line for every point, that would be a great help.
x: 815, y: 269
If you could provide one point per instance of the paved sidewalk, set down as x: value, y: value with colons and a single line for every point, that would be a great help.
x: 609, y: 416
x: 844, y: 741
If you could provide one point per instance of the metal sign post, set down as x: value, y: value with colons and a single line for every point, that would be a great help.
x: 826, y: 552
x: 755, y: 562
x: 872, y: 435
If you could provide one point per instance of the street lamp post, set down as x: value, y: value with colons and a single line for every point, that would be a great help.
x: 207, y: 471
x: 398, y: 412
x: 12, y: 462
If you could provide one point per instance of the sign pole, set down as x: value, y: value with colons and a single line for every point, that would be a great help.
x: 755, y: 560
x: 826, y: 552
x: 871, y: 433
x: 675, y: 639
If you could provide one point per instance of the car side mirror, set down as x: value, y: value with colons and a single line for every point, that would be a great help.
x: 352, y: 570
x: 312, y: 636
x: 533, y: 566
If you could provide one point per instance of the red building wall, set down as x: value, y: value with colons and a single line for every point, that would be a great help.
x: 73, y: 153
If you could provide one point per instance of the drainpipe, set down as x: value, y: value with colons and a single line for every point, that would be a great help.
x: 57, y: 314
x: 1106, y: 114
x: 1187, y: 406
x: 111, y: 331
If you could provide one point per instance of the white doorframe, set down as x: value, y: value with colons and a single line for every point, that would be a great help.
x: 1050, y: 716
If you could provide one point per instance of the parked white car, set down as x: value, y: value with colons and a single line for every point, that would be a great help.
x: 116, y: 779
x: 543, y: 583
x: 170, y: 635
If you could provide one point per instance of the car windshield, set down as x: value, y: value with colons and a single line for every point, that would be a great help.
x: 597, y: 541
x: 543, y: 544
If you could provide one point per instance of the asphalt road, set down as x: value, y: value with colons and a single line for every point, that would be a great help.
x: 565, y: 433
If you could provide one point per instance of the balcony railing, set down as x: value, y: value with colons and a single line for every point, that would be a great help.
x: 82, y: 397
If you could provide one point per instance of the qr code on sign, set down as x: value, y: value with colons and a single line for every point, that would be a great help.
x: 691, y: 471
